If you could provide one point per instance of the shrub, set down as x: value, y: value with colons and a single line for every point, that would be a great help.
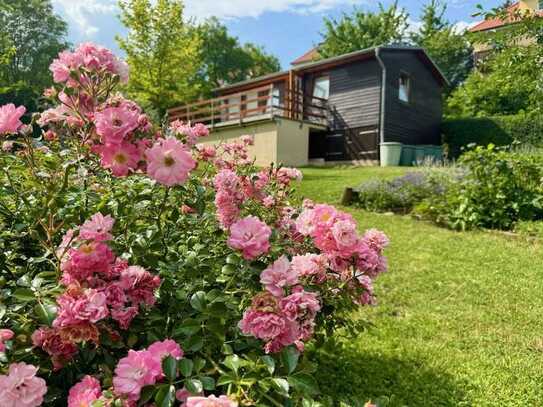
x: 402, y: 193
x: 500, y: 188
x: 521, y: 129
x: 128, y: 278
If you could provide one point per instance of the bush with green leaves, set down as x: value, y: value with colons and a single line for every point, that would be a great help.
x: 522, y: 130
x: 500, y: 188
x: 139, y: 267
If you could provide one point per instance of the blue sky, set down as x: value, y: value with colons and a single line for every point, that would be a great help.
x: 286, y: 28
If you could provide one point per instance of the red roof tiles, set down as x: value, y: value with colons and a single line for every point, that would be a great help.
x: 494, y: 23
x: 310, y: 56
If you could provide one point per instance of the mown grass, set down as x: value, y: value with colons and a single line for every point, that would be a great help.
x: 459, y: 320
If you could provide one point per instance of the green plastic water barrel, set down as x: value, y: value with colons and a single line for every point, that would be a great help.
x: 390, y: 154
x: 408, y: 155
x: 420, y: 154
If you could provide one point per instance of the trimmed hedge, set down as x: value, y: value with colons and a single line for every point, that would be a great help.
x: 524, y: 129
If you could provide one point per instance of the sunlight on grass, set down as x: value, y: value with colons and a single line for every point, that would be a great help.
x: 459, y: 315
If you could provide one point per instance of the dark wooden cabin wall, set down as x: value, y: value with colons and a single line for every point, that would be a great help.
x: 416, y: 122
x: 355, y: 94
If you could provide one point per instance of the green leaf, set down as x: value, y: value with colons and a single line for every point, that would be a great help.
x: 281, y: 385
x: 290, y: 357
x: 146, y: 395
x: 208, y: 382
x: 193, y: 344
x: 46, y: 313
x: 165, y: 397
x: 24, y: 294
x: 228, y: 269
x: 232, y: 259
x: 199, y: 364
x: 169, y: 368
x: 226, y: 379
x: 269, y: 362
x: 194, y: 386
x: 188, y: 328
x: 198, y: 301
x: 304, y: 383
x: 233, y: 362
x: 185, y: 367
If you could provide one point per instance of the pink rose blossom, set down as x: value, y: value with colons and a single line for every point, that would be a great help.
x: 211, y: 401
x: 206, y: 153
x: 115, y: 295
x: 88, y: 306
x: 375, y: 239
x: 182, y: 395
x: 310, y: 265
x: 10, y: 118
x: 251, y: 236
x: 98, y: 228
x: 50, y: 340
x: 21, y: 388
x: 5, y: 335
x: 275, y: 329
x: 139, y: 285
x: 247, y: 140
x: 83, y: 262
x: 132, y: 373
x: 304, y: 223
x: 278, y: 276
x: 84, y: 393
x: 113, y: 124
x: 169, y: 162
x: 300, y: 304
x: 159, y: 350
x: 121, y: 159
x: 124, y: 316
x: 346, y: 237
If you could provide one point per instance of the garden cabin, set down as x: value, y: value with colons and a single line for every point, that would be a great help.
x: 330, y: 110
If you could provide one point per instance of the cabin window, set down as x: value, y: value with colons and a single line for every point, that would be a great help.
x: 540, y: 4
x: 252, y: 102
x: 404, y: 87
x: 321, y: 88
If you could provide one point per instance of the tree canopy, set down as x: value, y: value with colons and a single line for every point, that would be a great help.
x: 360, y: 30
x: 162, y: 50
x: 31, y: 36
x: 225, y: 60
x: 508, y: 79
x: 445, y: 44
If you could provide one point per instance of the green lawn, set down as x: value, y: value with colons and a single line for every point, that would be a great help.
x: 459, y: 320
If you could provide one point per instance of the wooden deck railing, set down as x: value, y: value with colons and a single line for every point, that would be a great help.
x: 251, y: 105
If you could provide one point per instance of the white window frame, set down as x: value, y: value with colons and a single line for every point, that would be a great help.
x: 405, y: 96
x: 322, y: 78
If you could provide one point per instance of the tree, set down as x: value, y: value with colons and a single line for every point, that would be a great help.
x: 31, y: 36
x: 449, y: 48
x: 163, y: 53
x: 362, y: 30
x: 433, y: 21
x: 507, y: 84
x: 261, y: 63
x: 225, y: 61
x: 508, y: 81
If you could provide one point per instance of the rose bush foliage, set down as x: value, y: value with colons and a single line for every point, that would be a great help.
x: 139, y: 267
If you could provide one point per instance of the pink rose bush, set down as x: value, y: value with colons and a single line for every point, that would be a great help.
x: 153, y: 268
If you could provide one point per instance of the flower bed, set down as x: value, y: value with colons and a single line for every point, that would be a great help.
x: 142, y: 268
